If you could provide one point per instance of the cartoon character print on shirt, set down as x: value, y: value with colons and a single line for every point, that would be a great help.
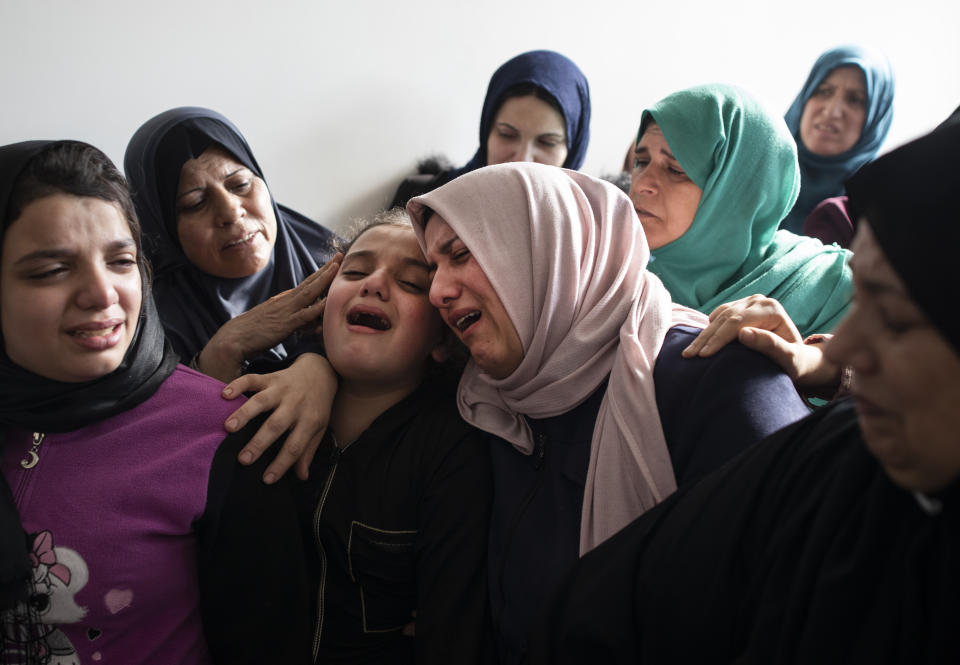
x: 58, y: 574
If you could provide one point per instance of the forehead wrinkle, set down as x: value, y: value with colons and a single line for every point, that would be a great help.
x: 63, y: 252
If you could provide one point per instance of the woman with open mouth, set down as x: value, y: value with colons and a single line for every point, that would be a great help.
x: 836, y: 540
x: 714, y: 174
x: 839, y: 120
x: 128, y: 532
x: 235, y: 274
x: 576, y: 372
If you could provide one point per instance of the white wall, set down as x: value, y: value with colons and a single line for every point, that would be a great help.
x: 339, y: 99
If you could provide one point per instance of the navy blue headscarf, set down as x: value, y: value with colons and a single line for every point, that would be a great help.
x: 555, y: 74
x: 822, y: 177
x: 193, y: 304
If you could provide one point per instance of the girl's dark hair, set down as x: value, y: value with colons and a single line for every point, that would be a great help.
x: 525, y: 90
x: 77, y: 169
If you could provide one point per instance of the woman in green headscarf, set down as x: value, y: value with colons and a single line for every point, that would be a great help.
x: 714, y: 173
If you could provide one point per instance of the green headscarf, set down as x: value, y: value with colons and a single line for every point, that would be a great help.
x: 745, y: 161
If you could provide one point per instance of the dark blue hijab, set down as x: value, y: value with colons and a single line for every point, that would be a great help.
x: 555, y: 74
x: 193, y: 304
x: 823, y: 176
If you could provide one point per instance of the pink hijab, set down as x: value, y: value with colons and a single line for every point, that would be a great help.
x: 566, y: 255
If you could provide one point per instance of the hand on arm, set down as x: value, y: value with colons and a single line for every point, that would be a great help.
x: 760, y: 323
x: 266, y: 325
x: 300, y: 397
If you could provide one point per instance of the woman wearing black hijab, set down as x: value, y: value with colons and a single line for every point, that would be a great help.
x: 222, y: 250
x: 128, y: 533
x: 836, y: 540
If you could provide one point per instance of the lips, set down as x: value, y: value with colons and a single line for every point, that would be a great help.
x: 368, y: 317
x: 97, y: 335
x: 241, y: 241
x: 641, y: 212
x: 827, y: 128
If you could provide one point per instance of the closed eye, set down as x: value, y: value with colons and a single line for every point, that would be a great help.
x: 241, y: 187
x: 192, y: 207
x: 124, y: 263
x: 51, y: 272
x: 412, y: 286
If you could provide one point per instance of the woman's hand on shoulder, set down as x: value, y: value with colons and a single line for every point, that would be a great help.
x: 300, y: 397
x: 267, y: 324
x: 760, y: 323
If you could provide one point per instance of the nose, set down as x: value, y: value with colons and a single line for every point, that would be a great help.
x: 642, y: 183
x: 96, y: 290
x: 376, y: 285
x: 228, y: 208
x: 834, y: 106
x: 443, y: 290
x: 852, y: 344
x: 525, y: 152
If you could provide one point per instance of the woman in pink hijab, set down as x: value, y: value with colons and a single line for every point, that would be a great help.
x: 576, y: 371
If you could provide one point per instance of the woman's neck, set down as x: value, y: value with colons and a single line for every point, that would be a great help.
x: 358, y: 404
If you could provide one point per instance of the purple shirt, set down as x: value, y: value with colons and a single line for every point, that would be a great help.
x: 110, y: 510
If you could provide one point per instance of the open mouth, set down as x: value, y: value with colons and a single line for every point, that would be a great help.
x: 368, y: 320
x: 245, y: 240
x: 467, y: 320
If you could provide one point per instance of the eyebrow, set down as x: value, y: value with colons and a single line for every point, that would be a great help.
x: 60, y: 253
x: 663, y: 151
x: 197, y: 189
x: 369, y: 254
x: 559, y: 135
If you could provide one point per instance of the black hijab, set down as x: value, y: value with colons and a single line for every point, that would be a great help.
x: 35, y: 403
x: 909, y: 198
x: 801, y: 550
x: 193, y: 304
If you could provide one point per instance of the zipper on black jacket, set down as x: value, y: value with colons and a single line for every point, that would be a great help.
x: 334, y: 459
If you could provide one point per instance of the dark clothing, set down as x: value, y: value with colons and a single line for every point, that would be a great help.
x: 832, y: 222
x: 398, y: 521
x: 800, y: 551
x: 254, y: 597
x: 711, y: 409
x: 908, y: 198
